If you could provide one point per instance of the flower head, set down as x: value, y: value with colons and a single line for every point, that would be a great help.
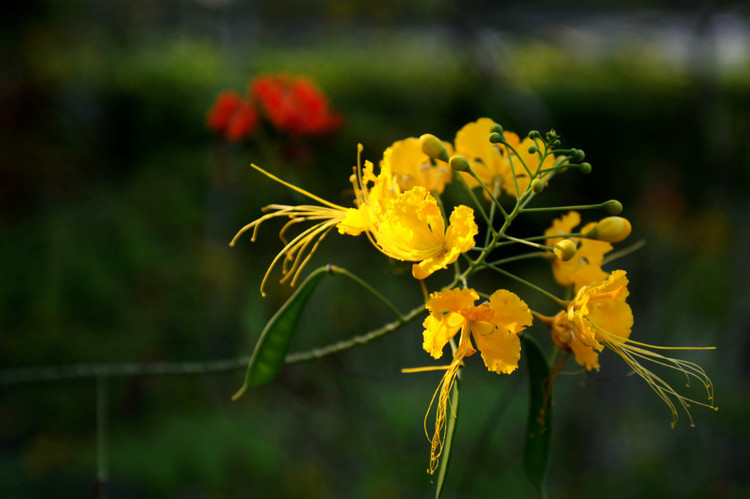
x: 599, y: 316
x: 294, y: 105
x: 494, y: 328
x: 232, y: 115
x: 407, y: 226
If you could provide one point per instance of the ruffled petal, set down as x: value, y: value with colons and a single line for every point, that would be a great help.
x: 509, y: 311
x: 355, y: 222
x: 452, y: 300
x: 585, y: 355
x: 501, y: 350
x: 459, y: 238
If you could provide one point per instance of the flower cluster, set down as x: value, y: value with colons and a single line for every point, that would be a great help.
x: 293, y: 106
x: 398, y: 206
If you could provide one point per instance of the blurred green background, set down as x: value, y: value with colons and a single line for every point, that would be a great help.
x: 116, y: 207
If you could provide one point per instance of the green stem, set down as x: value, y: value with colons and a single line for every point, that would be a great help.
x: 340, y: 271
x: 528, y: 243
x: 495, y: 188
x: 340, y: 346
x: 491, y: 194
x: 536, y: 254
x: 562, y: 303
x: 624, y: 252
x: 538, y: 238
x: 563, y: 208
x: 101, y: 434
x: 476, y: 202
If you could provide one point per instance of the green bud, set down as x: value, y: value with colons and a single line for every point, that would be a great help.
x: 534, y: 134
x: 497, y: 129
x: 555, y: 143
x: 577, y: 155
x: 459, y: 164
x: 432, y: 147
x: 613, y: 207
x: 533, y: 150
x: 585, y: 168
x: 565, y: 250
x: 496, y: 138
x: 610, y: 229
x: 537, y: 185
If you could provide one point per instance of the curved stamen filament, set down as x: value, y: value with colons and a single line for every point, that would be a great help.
x: 631, y: 352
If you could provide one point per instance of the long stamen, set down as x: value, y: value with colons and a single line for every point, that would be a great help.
x: 630, y: 353
x: 297, y: 189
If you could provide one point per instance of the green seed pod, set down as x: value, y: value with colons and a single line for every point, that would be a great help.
x: 432, y: 147
x: 585, y: 168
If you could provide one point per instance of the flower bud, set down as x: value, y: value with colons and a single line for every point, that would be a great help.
x: 496, y: 138
x: 585, y: 168
x: 533, y: 150
x: 534, y: 134
x: 432, y: 147
x: 613, y: 207
x: 565, y: 249
x: 611, y: 229
x: 577, y: 155
x: 537, y: 185
x: 497, y: 129
x: 459, y: 164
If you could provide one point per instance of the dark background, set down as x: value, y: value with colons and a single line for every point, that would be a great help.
x: 116, y: 207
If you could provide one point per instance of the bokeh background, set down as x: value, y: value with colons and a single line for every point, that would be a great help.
x: 117, y: 204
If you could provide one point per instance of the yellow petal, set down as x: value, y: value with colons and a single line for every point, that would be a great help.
x: 561, y: 226
x: 459, y: 238
x: 473, y: 142
x: 501, y: 350
x: 412, y: 167
x: 355, y: 222
x: 439, y: 330
x: 452, y: 300
x: 509, y: 311
x: 585, y: 355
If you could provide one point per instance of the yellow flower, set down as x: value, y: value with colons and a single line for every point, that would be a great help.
x: 412, y: 167
x: 494, y: 326
x: 495, y: 164
x: 586, y: 266
x: 599, y: 316
x: 407, y: 226
x: 413, y: 229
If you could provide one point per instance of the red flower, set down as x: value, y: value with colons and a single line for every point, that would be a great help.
x: 294, y: 106
x: 232, y: 115
x: 242, y: 123
x: 219, y: 115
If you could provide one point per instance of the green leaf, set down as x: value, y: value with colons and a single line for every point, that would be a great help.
x: 538, y: 430
x: 449, y: 430
x: 271, y: 349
